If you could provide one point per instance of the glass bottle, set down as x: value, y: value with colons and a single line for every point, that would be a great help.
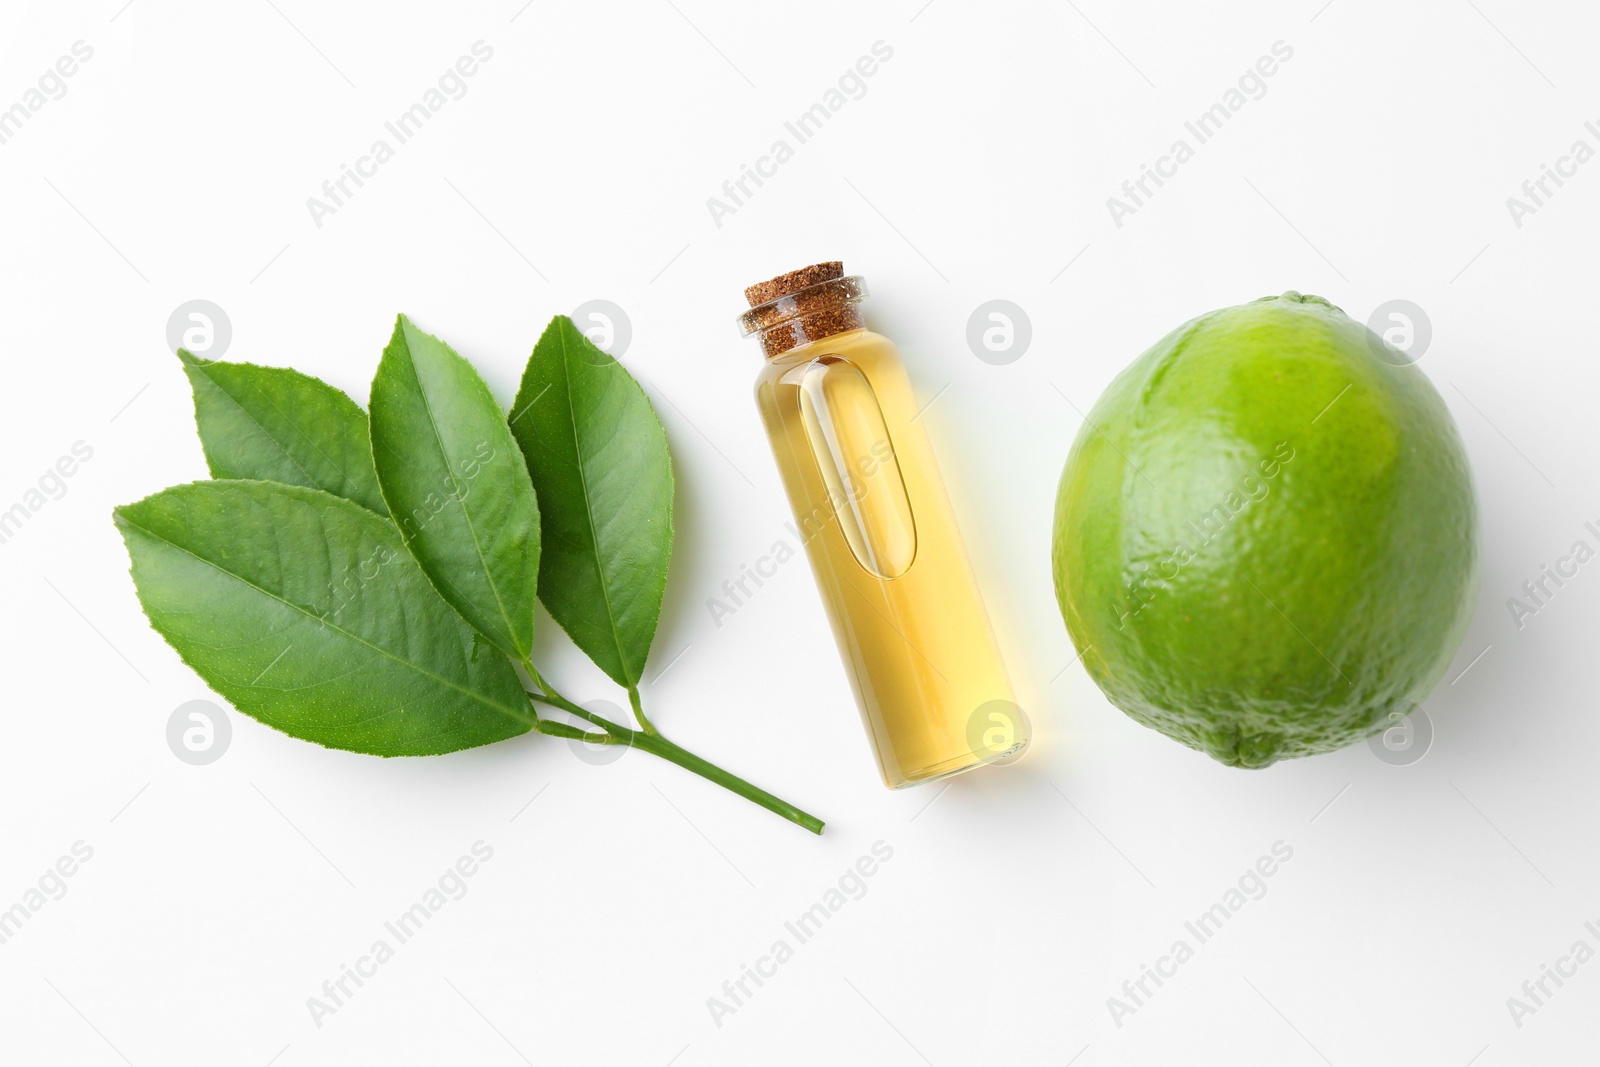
x: 872, y: 510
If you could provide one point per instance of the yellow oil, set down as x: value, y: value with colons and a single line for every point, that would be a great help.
x: 889, y: 561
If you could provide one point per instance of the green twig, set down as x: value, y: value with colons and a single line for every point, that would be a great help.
x: 654, y: 743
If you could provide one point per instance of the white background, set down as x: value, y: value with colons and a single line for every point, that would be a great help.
x: 977, y: 165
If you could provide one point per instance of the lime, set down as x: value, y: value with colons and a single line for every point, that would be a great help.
x: 1266, y: 534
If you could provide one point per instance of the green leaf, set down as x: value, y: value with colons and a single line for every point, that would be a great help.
x: 457, y: 485
x: 305, y: 611
x: 278, y: 425
x: 598, y: 457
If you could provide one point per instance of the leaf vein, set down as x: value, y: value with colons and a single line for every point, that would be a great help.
x: 349, y: 634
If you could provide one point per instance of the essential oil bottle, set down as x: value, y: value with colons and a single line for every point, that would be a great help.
x: 869, y: 503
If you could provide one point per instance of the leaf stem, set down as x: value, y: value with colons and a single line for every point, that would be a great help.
x: 657, y: 745
x: 561, y: 729
x: 533, y: 672
x: 638, y: 712
x: 556, y: 700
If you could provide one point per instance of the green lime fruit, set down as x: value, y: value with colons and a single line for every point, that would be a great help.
x: 1266, y: 534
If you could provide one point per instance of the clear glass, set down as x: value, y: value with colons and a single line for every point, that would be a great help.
x: 889, y: 561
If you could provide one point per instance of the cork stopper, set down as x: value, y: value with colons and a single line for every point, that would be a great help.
x: 796, y: 280
x: 803, y: 305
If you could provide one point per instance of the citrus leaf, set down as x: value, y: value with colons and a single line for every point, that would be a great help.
x: 457, y: 485
x: 305, y: 611
x: 278, y: 425
x: 598, y: 458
